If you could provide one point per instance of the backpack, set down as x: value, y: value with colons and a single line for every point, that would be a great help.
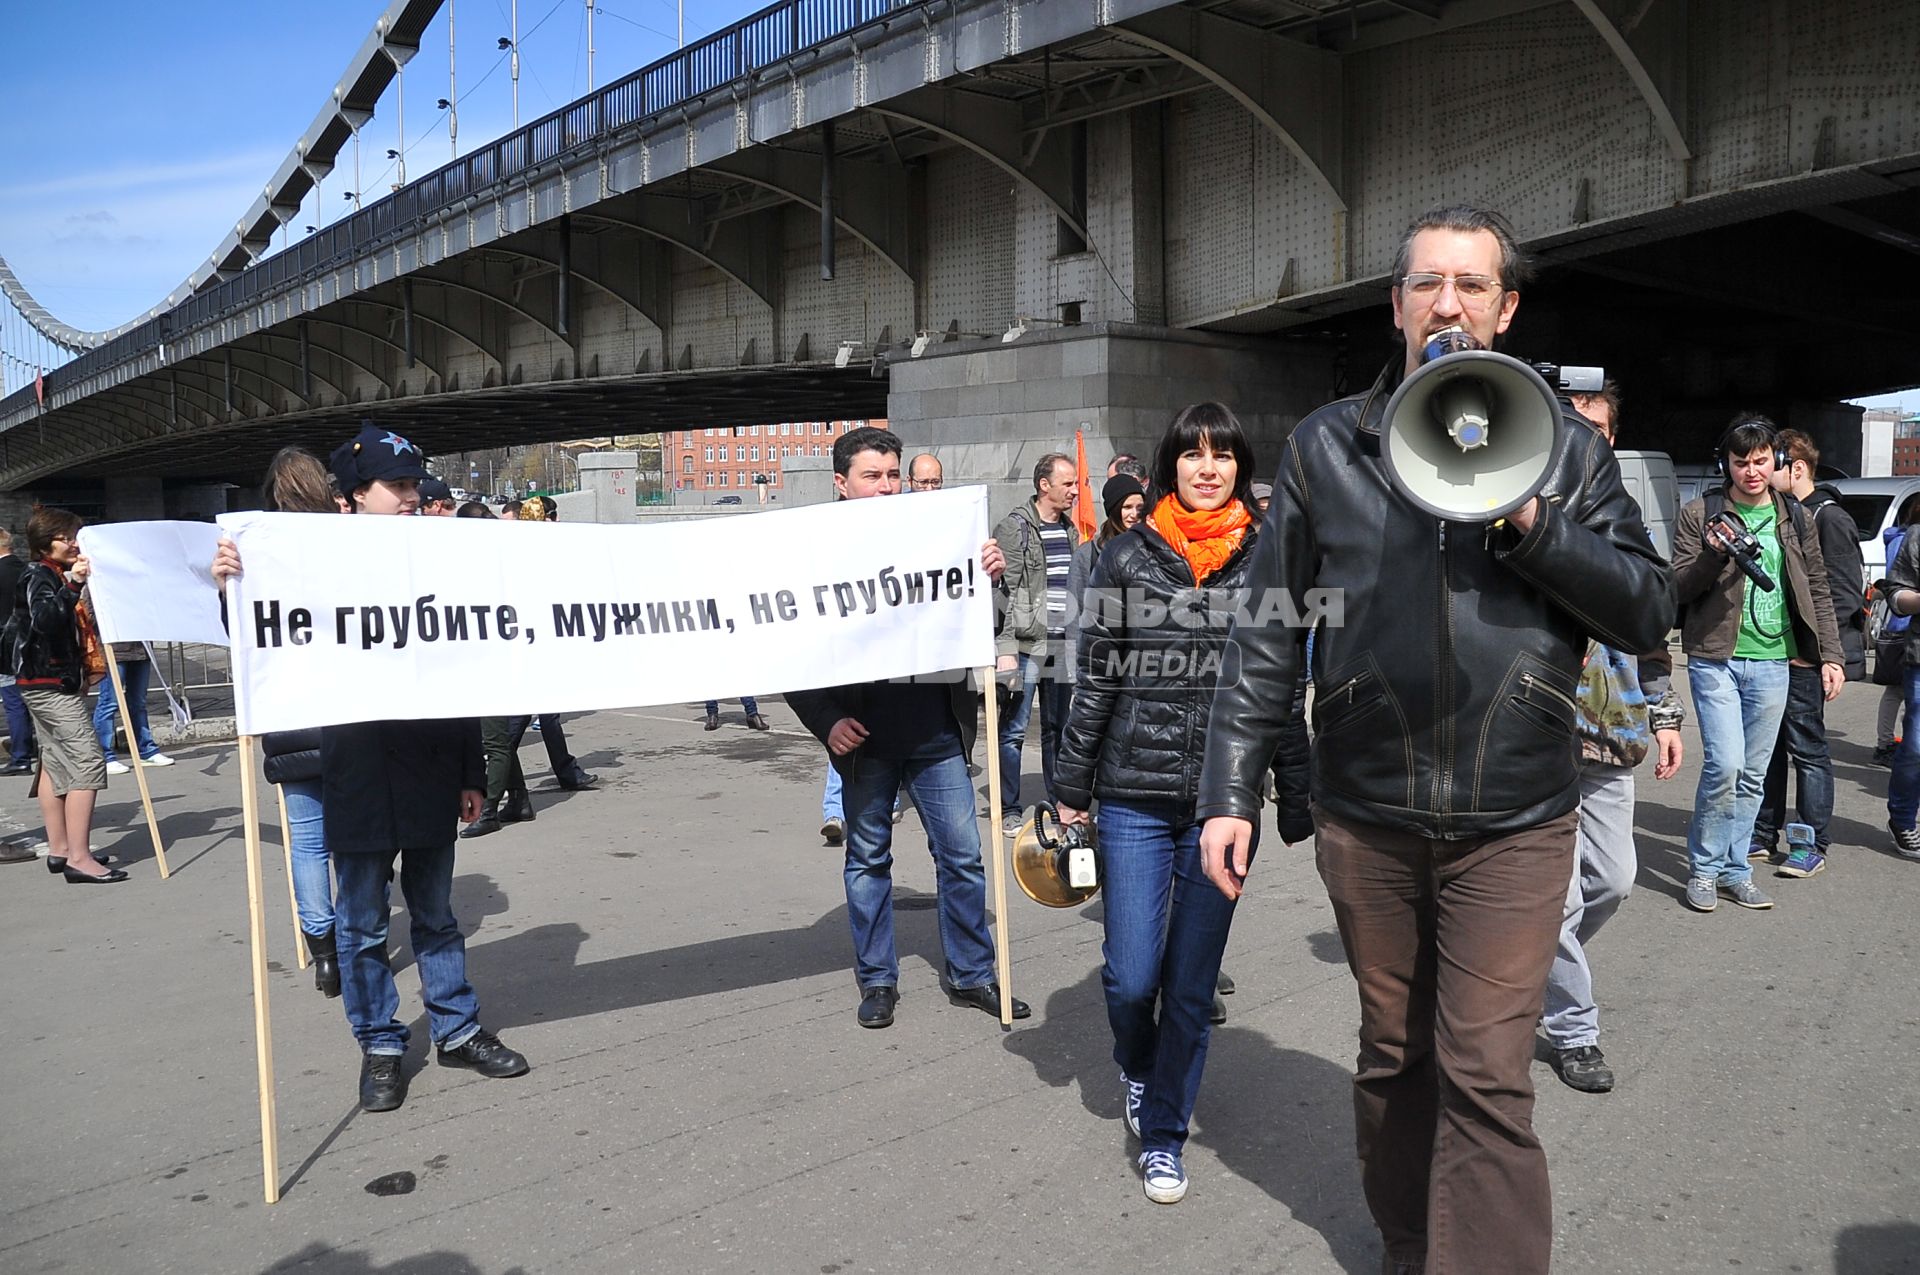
x: 1887, y: 632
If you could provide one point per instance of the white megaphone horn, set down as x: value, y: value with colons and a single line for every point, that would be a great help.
x: 1470, y: 435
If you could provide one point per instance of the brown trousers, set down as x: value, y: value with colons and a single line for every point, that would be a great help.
x: 1450, y: 943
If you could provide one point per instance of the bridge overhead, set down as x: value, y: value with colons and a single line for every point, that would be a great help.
x: 1176, y: 199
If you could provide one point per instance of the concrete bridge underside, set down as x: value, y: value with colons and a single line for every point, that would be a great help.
x: 1180, y: 199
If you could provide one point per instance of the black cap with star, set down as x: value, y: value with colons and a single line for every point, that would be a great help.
x: 375, y: 453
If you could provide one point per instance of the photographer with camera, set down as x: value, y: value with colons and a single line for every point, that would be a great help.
x: 1748, y: 570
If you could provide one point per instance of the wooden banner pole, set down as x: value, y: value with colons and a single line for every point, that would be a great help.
x: 257, y: 932
x: 1002, y: 956
x: 133, y: 760
x: 293, y: 896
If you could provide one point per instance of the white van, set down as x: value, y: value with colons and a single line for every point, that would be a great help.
x: 1874, y: 504
x: 1649, y: 479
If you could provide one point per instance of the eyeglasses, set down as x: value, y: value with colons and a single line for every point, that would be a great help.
x: 925, y: 484
x: 1474, y: 290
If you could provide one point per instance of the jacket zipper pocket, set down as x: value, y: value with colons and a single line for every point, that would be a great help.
x: 1529, y: 681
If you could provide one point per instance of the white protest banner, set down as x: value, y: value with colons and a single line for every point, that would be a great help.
x: 153, y: 581
x: 356, y: 618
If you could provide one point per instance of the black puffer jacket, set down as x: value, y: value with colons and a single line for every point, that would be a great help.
x: 292, y: 756
x: 1151, y: 647
x: 1444, y: 704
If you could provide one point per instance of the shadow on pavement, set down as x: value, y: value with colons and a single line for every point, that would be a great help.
x: 1278, y: 1118
x: 319, y: 1258
x: 1884, y: 1249
x: 536, y: 975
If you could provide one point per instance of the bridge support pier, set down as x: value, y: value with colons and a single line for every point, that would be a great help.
x: 991, y: 412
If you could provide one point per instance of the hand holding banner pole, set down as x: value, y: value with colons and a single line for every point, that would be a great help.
x: 1002, y: 957
x: 139, y: 766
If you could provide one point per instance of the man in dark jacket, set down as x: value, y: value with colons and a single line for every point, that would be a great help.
x: 400, y: 789
x: 1803, y: 729
x: 1444, y: 770
x: 19, y: 724
x: 1741, y: 641
x: 917, y: 732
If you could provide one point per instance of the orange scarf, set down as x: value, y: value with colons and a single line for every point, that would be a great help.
x: 1206, y: 538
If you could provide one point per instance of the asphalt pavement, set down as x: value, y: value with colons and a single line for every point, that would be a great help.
x: 671, y: 951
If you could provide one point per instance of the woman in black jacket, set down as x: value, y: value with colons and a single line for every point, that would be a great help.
x: 49, y: 667
x: 298, y: 483
x: 1162, y: 600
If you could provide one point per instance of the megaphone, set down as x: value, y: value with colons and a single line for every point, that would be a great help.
x: 1470, y: 436
x: 1055, y: 866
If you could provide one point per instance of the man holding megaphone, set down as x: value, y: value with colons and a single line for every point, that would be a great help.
x: 1473, y: 571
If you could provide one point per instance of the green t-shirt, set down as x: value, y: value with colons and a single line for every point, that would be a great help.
x: 1766, y: 629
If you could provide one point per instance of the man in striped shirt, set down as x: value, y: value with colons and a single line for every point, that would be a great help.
x: 1038, y: 538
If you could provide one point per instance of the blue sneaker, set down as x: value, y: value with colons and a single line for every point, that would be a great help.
x: 1804, y: 861
x: 1166, y: 1181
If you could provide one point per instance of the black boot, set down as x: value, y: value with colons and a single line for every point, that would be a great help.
x: 326, y: 964
x: 518, y: 808
x: 488, y: 822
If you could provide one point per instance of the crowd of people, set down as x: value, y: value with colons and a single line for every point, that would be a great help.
x: 1473, y: 832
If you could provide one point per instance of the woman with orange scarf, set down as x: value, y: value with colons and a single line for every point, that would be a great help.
x: 1163, y: 596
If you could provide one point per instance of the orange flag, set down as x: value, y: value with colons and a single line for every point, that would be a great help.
x: 1083, y: 518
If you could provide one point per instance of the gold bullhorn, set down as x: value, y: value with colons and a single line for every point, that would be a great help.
x: 1055, y: 866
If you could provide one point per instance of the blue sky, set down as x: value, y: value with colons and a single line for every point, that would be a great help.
x: 138, y: 132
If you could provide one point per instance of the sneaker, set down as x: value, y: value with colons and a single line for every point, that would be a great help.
x: 1906, y: 842
x: 833, y: 831
x: 1803, y: 862
x: 483, y: 1052
x: 118, y: 767
x: 1747, y: 895
x: 1584, y: 1068
x: 1011, y: 825
x: 158, y: 759
x: 383, y: 1082
x: 1758, y: 850
x: 1883, y: 755
x: 1700, y: 894
x: 1136, y: 1097
x: 1166, y: 1181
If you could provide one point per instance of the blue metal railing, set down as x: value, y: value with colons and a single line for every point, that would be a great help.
x: 752, y: 44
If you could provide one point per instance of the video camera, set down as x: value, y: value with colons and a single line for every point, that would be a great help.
x: 1742, y: 546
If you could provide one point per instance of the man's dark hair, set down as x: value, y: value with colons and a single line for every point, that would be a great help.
x: 1749, y: 432
x: 511, y: 507
x: 47, y: 524
x: 1220, y: 429
x: 1798, y: 446
x: 1043, y: 468
x: 868, y: 438
x: 1515, y: 266
x: 1608, y: 393
x: 1133, y: 467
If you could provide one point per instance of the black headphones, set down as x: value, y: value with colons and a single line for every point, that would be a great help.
x: 1780, y: 458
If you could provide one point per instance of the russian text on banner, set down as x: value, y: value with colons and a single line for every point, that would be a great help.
x: 349, y: 618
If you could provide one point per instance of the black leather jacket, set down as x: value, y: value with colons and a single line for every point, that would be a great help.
x: 1151, y: 645
x: 1444, y: 704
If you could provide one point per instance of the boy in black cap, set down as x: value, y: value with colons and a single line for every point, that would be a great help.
x: 436, y: 498
x: 392, y: 790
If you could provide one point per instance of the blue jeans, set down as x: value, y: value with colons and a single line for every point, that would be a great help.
x: 1166, y: 930
x: 19, y: 724
x: 1055, y: 693
x: 312, y: 866
x: 1803, y: 739
x: 366, y: 980
x: 134, y: 675
x: 1738, y: 704
x: 831, y: 806
x: 1903, y: 790
x: 943, y: 793
x: 747, y: 702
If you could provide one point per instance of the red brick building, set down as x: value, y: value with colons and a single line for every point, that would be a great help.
x: 723, y: 461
